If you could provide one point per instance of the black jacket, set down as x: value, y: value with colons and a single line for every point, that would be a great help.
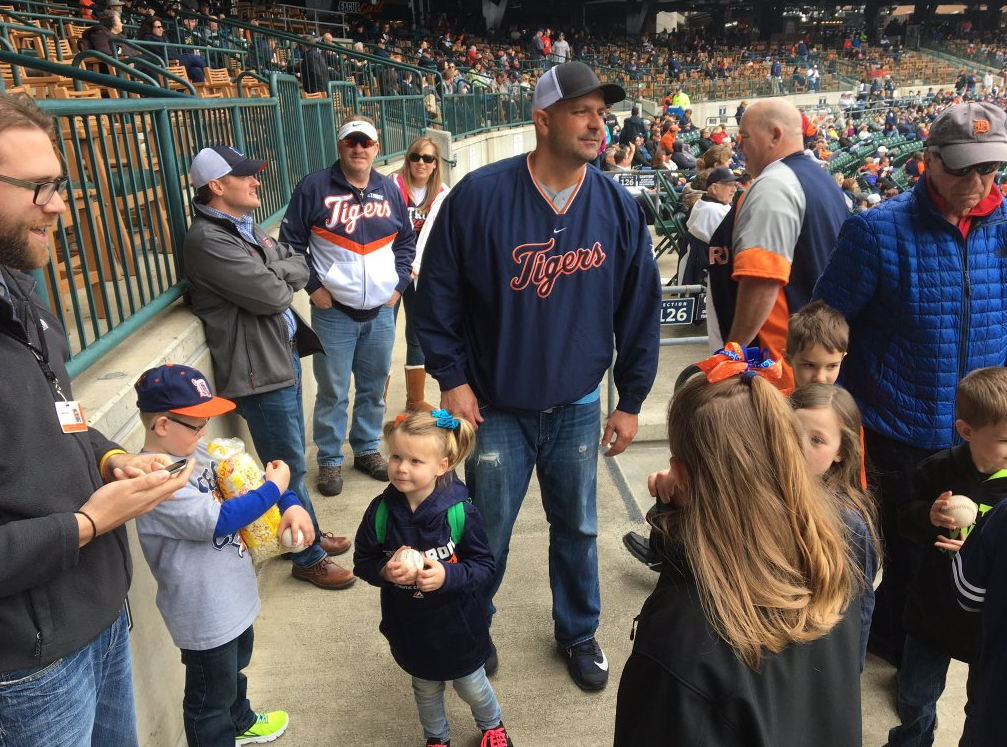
x: 932, y: 613
x: 631, y: 127
x: 54, y: 596
x: 684, y: 686
x: 314, y: 71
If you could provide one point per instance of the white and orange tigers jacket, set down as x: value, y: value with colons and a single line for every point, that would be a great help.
x: 359, y: 242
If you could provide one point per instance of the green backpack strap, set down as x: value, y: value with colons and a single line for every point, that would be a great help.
x: 456, y: 520
x: 381, y: 521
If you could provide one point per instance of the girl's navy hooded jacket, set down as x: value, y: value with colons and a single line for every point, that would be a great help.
x: 443, y: 634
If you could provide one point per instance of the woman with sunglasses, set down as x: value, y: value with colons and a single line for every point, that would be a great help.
x: 423, y: 190
x: 921, y: 280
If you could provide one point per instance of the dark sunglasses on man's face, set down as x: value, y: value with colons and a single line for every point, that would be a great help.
x: 425, y: 157
x: 363, y: 142
x: 983, y: 169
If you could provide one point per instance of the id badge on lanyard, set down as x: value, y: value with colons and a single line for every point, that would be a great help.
x: 69, y: 412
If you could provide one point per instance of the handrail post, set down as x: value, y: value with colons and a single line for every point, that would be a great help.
x: 172, y: 180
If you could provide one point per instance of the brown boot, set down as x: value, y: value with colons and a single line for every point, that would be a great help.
x: 416, y: 379
x: 325, y: 574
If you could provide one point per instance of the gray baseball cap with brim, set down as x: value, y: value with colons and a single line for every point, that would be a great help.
x: 572, y: 80
x: 970, y: 133
x: 219, y: 161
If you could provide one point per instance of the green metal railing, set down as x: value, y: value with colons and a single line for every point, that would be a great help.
x: 116, y: 256
x: 116, y: 250
x: 467, y: 114
x: 399, y: 120
x: 288, y: 91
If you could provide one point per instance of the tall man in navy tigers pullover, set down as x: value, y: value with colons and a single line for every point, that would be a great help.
x: 535, y: 266
x: 354, y: 225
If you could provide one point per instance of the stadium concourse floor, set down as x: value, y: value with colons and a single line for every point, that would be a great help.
x: 319, y: 655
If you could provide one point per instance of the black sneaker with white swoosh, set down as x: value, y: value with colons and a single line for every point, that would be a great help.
x: 588, y: 665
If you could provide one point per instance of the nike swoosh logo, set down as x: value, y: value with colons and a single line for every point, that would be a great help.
x: 603, y: 664
x: 557, y: 230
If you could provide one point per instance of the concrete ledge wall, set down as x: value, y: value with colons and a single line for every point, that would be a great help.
x: 106, y: 391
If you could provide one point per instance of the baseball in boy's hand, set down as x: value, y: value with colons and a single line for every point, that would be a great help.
x: 287, y: 540
x: 961, y: 509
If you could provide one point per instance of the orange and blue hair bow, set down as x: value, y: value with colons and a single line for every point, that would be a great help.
x: 733, y: 359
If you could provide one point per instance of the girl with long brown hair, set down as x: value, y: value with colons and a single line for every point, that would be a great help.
x: 830, y: 420
x: 750, y: 637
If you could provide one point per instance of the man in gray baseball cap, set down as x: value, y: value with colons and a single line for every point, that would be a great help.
x: 969, y: 134
x: 242, y: 284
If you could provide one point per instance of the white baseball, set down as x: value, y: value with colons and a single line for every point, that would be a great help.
x: 411, y: 560
x: 287, y: 540
x: 962, y: 509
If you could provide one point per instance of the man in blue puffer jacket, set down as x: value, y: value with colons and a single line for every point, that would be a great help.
x: 921, y: 280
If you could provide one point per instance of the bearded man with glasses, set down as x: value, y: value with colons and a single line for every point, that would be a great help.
x: 921, y: 279
x: 66, y: 491
x: 354, y: 226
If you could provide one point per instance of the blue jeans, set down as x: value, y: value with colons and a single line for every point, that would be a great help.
x: 921, y: 680
x: 84, y: 699
x: 194, y: 65
x: 561, y: 445
x: 276, y: 422
x: 473, y: 688
x: 215, y: 707
x: 414, y: 353
x: 360, y: 349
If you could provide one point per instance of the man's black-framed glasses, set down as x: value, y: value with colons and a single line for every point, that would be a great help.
x: 44, y: 191
x: 983, y: 169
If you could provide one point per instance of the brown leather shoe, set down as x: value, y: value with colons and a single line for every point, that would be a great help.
x: 325, y: 574
x: 334, y: 545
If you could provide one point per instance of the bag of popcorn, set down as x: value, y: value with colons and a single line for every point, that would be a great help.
x: 237, y: 473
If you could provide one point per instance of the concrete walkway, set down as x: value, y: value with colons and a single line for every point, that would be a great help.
x: 319, y: 654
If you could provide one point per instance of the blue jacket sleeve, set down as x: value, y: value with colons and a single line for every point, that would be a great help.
x: 368, y: 557
x: 851, y: 276
x: 474, y: 564
x: 404, y: 247
x: 638, y: 323
x: 241, y: 511
x: 440, y: 301
x: 972, y: 564
x: 295, y: 229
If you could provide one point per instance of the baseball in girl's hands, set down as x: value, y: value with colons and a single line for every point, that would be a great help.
x: 411, y: 560
x: 401, y: 568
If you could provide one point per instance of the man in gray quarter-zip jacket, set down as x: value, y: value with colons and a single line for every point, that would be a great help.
x: 242, y: 283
